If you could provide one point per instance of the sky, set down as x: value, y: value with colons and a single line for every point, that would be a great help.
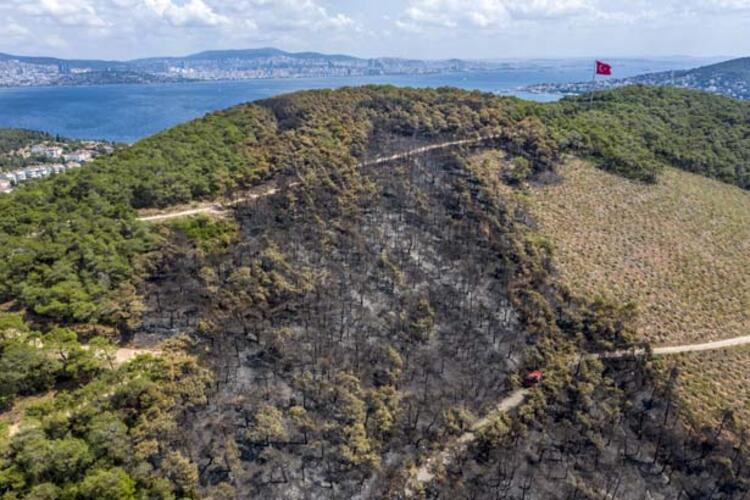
x: 428, y: 29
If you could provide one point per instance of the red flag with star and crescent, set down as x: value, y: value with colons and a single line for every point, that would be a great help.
x: 603, y: 68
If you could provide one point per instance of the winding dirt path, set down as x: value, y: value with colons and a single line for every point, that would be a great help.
x: 677, y: 349
x: 426, y: 149
x: 125, y: 354
x: 708, y: 346
x: 14, y: 417
x: 209, y: 209
x: 213, y: 208
x: 424, y: 474
x: 218, y: 209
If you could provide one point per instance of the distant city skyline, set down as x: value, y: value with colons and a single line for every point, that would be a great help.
x: 424, y: 29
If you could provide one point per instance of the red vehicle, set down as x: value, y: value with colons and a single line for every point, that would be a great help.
x: 532, y: 378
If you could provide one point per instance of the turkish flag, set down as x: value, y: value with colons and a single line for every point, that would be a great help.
x: 603, y: 68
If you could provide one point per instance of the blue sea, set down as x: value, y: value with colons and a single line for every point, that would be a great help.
x: 127, y: 113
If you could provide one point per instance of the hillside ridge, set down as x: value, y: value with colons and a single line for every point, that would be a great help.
x: 353, y: 318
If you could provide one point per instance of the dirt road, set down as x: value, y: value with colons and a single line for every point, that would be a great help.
x: 209, y: 210
x: 424, y: 474
x: 671, y: 350
x: 425, y: 149
x: 218, y: 209
x: 708, y: 346
x: 125, y: 354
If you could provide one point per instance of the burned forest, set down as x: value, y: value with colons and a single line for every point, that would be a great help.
x: 344, y: 333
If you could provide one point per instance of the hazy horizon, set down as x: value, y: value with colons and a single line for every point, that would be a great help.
x: 644, y: 57
x: 415, y: 29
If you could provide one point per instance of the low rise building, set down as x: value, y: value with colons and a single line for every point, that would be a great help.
x: 47, y: 151
x: 41, y: 170
x: 37, y: 172
x: 80, y: 156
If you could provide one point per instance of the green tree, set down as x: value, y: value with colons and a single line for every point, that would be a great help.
x: 111, y: 484
x: 54, y: 460
x: 24, y: 369
x: 108, y: 437
x: 44, y: 491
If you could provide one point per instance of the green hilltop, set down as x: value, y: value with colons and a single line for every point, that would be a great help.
x: 76, y: 228
x: 12, y: 139
x: 637, y: 130
x: 734, y: 68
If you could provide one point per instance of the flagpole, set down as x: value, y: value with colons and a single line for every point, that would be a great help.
x: 593, y: 86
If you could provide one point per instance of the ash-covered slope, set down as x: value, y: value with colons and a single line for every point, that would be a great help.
x: 364, y: 317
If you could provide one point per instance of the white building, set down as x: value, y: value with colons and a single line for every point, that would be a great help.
x: 80, y: 156
x: 5, y: 186
x: 49, y: 152
x: 36, y: 173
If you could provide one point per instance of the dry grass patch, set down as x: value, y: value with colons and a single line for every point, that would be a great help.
x: 712, y: 382
x: 679, y: 249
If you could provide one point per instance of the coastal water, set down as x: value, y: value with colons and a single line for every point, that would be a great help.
x: 126, y: 113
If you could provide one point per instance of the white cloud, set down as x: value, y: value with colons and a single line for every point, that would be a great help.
x: 340, y: 21
x: 192, y: 13
x: 723, y: 5
x: 136, y: 28
x: 504, y: 14
x: 65, y: 12
x: 289, y: 15
x: 268, y: 16
x: 549, y: 8
x: 426, y: 28
x: 13, y: 30
x: 486, y: 13
x: 430, y: 13
x: 731, y: 4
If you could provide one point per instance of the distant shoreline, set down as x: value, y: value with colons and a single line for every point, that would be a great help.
x: 242, y: 80
x: 127, y: 113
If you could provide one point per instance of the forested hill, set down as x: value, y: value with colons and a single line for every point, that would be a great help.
x: 637, y: 130
x: 324, y: 339
x: 633, y: 131
x: 738, y: 69
x: 13, y: 139
x: 72, y: 245
x: 79, y: 227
